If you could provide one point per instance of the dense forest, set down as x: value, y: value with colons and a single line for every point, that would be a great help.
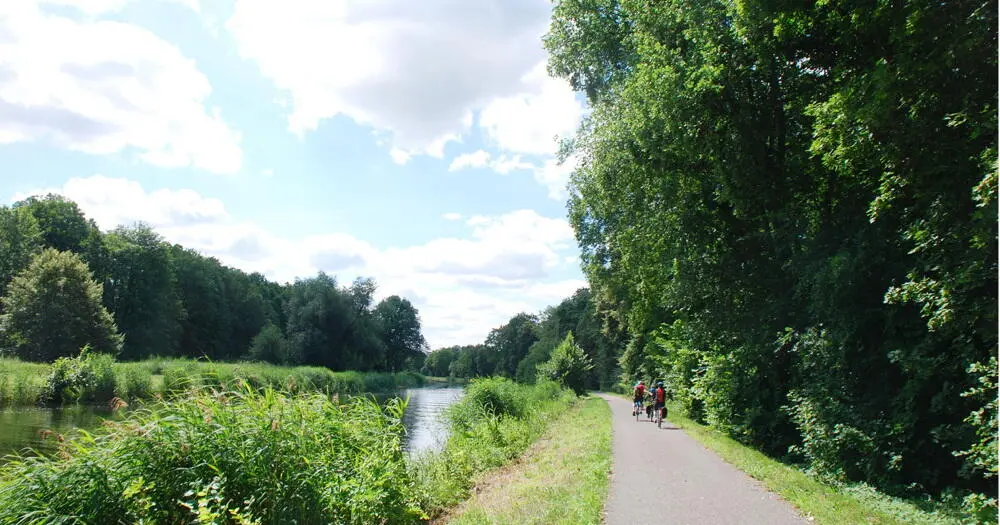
x: 65, y: 284
x: 790, y: 208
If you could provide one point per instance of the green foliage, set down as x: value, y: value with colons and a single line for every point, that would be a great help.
x: 86, y: 378
x: 399, y: 324
x: 28, y: 383
x: 142, y: 292
x: 21, y: 383
x: 568, y: 366
x: 20, y: 239
x: 170, y: 301
x: 493, y: 423
x: 510, y: 344
x: 271, y: 346
x: 790, y: 208
x: 239, y: 457
x: 53, y: 308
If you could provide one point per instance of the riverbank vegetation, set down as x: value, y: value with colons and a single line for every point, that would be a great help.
x: 562, y: 478
x: 129, y: 293
x: 789, y: 210
x: 234, y: 457
x: 495, y: 422
x: 96, y: 379
x: 250, y: 456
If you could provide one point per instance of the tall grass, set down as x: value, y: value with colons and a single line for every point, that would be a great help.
x: 96, y: 379
x: 257, y: 455
x: 21, y: 383
x: 492, y: 424
x: 246, y: 457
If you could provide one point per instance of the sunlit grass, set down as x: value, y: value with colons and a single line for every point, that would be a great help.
x: 562, y: 479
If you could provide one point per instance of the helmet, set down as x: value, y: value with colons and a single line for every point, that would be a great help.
x: 659, y: 383
x: 641, y: 382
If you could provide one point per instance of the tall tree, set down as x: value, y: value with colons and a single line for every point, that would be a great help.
x: 510, y: 343
x: 142, y: 292
x: 399, y: 326
x: 53, y: 308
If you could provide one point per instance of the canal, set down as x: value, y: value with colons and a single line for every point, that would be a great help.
x: 23, y: 427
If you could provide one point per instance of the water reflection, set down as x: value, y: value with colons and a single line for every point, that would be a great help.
x: 426, y: 428
x: 22, y: 427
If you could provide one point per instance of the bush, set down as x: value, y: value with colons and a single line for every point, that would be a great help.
x: 569, y: 365
x: 233, y: 458
x: 89, y: 377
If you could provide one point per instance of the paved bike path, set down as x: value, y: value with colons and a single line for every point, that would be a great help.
x: 662, y: 475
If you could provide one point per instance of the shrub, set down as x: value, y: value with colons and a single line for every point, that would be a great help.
x: 89, y: 377
x: 234, y: 458
x: 569, y: 365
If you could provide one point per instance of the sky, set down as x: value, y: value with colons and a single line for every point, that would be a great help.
x: 411, y: 142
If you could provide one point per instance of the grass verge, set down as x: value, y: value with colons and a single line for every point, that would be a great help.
x: 825, y: 503
x: 563, y: 478
x: 494, y: 423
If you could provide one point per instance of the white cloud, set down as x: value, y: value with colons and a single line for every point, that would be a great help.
x: 416, y: 70
x: 476, y: 159
x: 483, y: 159
x: 529, y: 122
x: 399, y: 156
x: 103, y: 87
x: 463, y: 287
x: 452, y: 216
x: 113, y: 201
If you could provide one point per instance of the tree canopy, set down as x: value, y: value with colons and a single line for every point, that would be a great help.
x: 53, y: 309
x: 791, y: 210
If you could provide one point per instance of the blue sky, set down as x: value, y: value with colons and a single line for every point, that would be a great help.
x: 413, y: 143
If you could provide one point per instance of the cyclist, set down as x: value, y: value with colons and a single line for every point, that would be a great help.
x: 659, y: 398
x: 638, y: 396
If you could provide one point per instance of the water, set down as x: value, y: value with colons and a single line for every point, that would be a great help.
x: 23, y: 427
x: 426, y: 428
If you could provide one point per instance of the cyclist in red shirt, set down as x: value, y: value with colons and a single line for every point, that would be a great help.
x: 638, y: 396
x: 659, y: 397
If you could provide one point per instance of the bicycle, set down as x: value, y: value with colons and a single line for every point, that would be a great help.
x: 660, y: 413
x: 637, y: 408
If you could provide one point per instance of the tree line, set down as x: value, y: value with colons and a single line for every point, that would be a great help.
x: 66, y: 284
x: 790, y: 208
x: 517, y: 348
